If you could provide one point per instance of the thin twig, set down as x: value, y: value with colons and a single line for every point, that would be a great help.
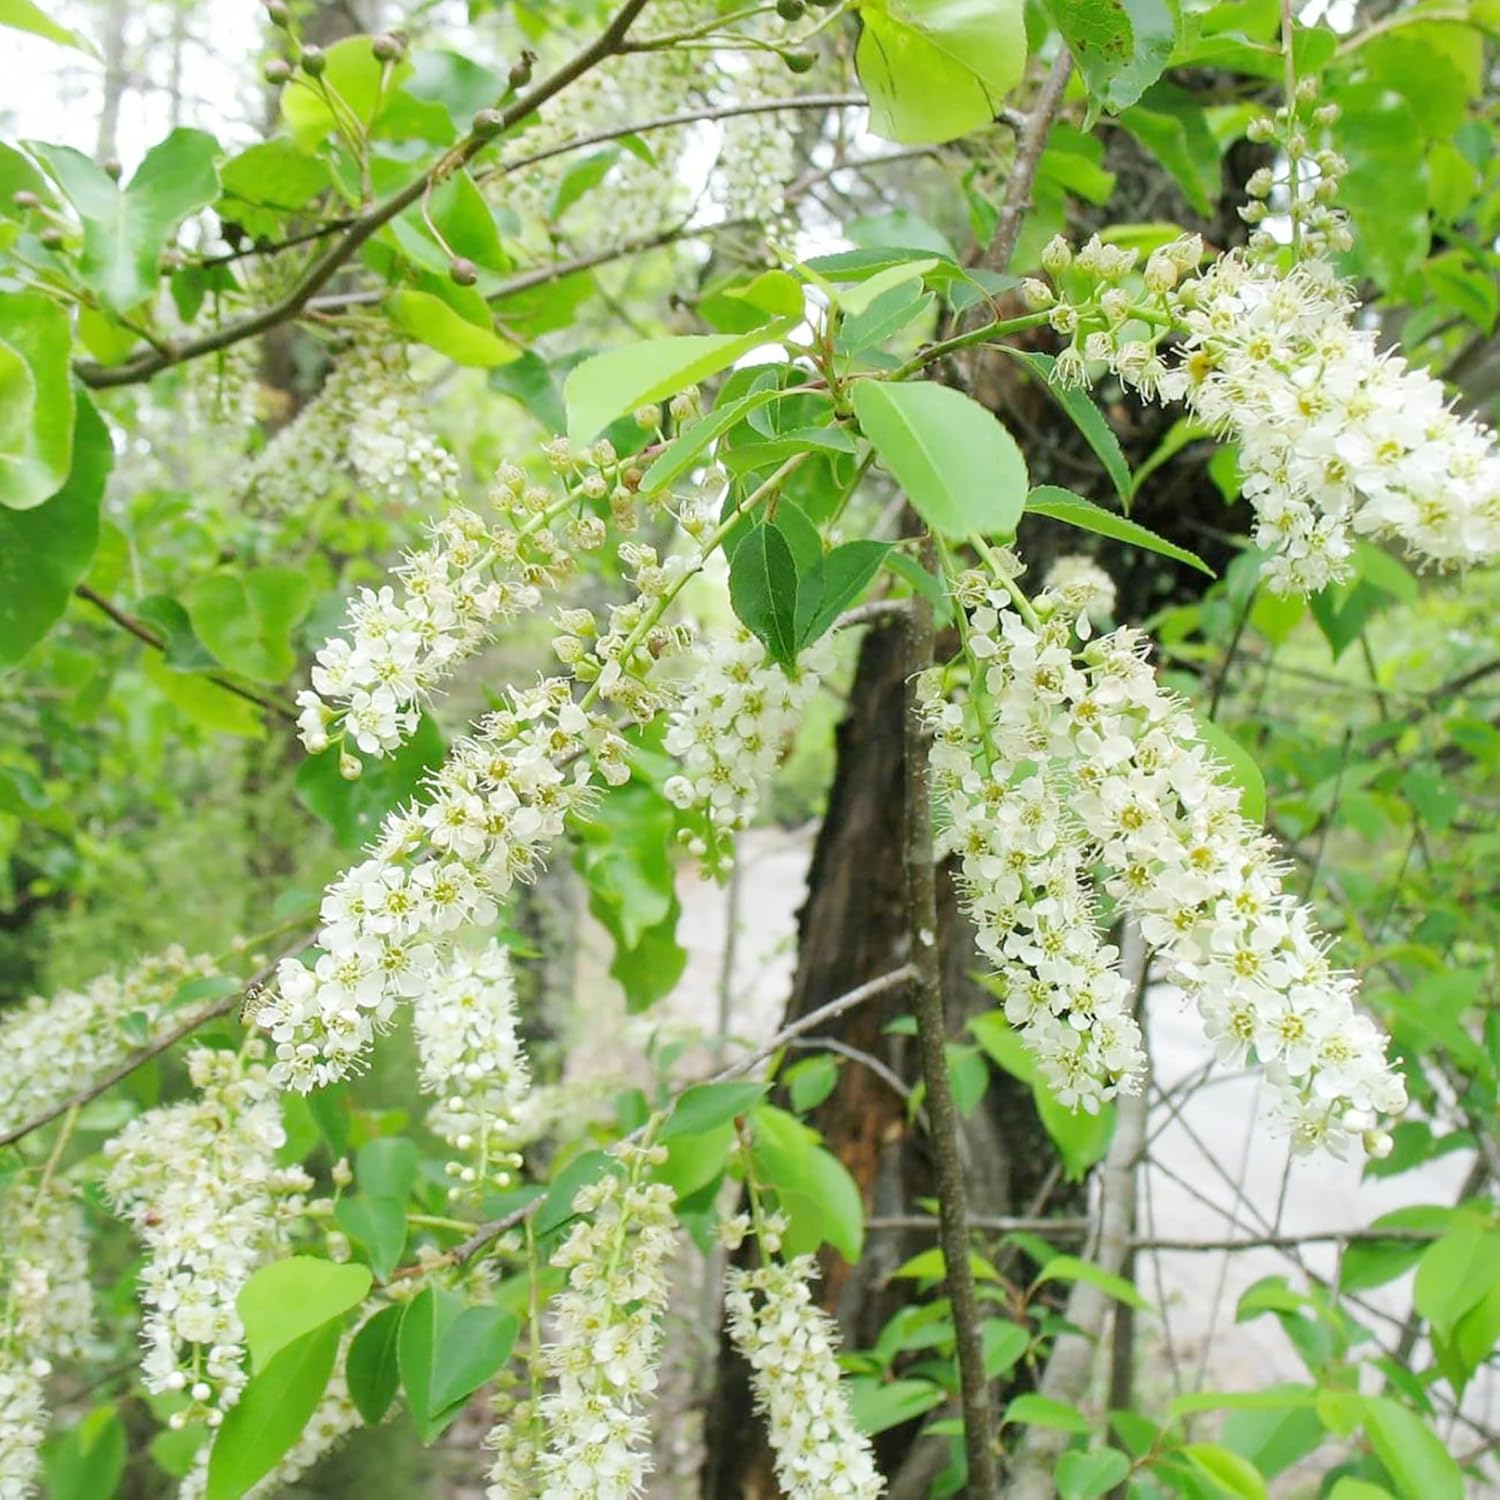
x: 221, y: 1007
x: 143, y: 632
x: 316, y: 276
x: 486, y: 1233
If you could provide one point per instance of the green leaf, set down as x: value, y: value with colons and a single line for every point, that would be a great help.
x: 388, y: 1167
x: 1071, y: 1268
x: 371, y: 1367
x: 377, y: 1223
x: 37, y: 403
x: 937, y: 69
x: 763, y: 588
x: 1073, y: 510
x: 1082, y: 1475
x: 184, y: 651
x: 1456, y: 1273
x: 203, y: 702
x: 1031, y: 1410
x: 1385, y: 189
x: 1274, y: 1440
x: 877, y: 1405
x: 126, y: 229
x: 427, y: 1318
x: 738, y: 309
x: 431, y: 321
x: 557, y: 1208
x: 1414, y: 1456
x: 811, y: 1081
x: 1233, y: 1474
x: 1346, y: 1488
x: 684, y: 451
x: 355, y: 809
x: 1086, y: 417
x: 87, y: 1461
x: 473, y: 1347
x: 246, y: 619
x: 611, y: 384
x: 835, y: 582
x: 44, y: 552
x: 528, y: 380
x: 1081, y: 1138
x: 271, y: 1413
x: 1002, y: 1343
x: 359, y: 77
x: 270, y: 180
x: 22, y: 15
x: 1173, y: 127
x: 857, y: 299
x: 286, y: 1299
x: 1120, y: 46
x: 1237, y: 767
x: 961, y: 470
x: 710, y: 1104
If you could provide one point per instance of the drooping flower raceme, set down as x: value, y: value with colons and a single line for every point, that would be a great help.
x: 602, y: 1356
x: 791, y: 1346
x: 199, y: 1184
x: 471, y: 1057
x: 57, y: 1046
x: 1337, y: 439
x: 403, y: 640
x: 46, y: 1313
x: 736, y: 712
x: 1084, y: 751
x: 365, y: 425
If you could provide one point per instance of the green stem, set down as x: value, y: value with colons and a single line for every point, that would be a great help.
x: 998, y: 329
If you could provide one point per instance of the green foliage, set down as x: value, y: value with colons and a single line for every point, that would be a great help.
x: 288, y: 1298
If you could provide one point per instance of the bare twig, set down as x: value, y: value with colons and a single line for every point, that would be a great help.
x: 486, y: 1233
x: 143, y: 366
x: 143, y: 632
x: 213, y: 1011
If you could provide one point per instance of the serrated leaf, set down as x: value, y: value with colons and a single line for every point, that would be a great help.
x: 284, y: 1300
x: 710, y: 1104
x: 1073, y: 510
x: 763, y: 588
x: 377, y: 1223
x: 1079, y: 407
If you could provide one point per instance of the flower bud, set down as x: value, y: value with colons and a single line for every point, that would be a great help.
x: 1325, y: 115
x: 1161, y: 273
x: 791, y: 10
x: 389, y: 46
x: 25, y: 200
x: 463, y: 271
x: 488, y: 123
x: 1115, y: 305
x: 647, y: 417
x: 800, y: 61
x: 1057, y: 256
x: 313, y: 61
x: 1064, y: 319
x: 1037, y: 295
x: 1261, y: 129
x: 113, y: 168
x: 1261, y: 182
x: 52, y: 238
x: 351, y: 767
x: 278, y: 13
x: 277, y: 71
x: 520, y: 72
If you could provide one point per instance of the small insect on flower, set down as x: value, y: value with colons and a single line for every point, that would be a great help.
x: 251, y: 1002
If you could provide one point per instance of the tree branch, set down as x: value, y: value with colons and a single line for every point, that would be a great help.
x: 932, y: 1037
x: 143, y: 632
x: 484, y: 1234
x: 144, y: 366
x: 1038, y: 126
x: 144, y: 1054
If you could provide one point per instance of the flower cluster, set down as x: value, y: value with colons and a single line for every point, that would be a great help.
x: 494, y: 809
x: 221, y: 396
x: 758, y: 159
x: 46, y: 1313
x: 58, y: 1046
x: 370, y: 682
x: 471, y: 1057
x: 198, y: 1183
x: 730, y: 728
x: 364, y: 424
x: 1337, y: 439
x: 606, y: 1340
x: 791, y: 1346
x: 1087, y: 768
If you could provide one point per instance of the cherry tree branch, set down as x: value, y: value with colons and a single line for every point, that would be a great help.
x: 211, y: 1012
x: 143, y: 366
x: 143, y: 632
x: 487, y: 1233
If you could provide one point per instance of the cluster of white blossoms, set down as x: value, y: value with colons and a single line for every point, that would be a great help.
x: 1337, y: 438
x: 758, y: 156
x: 1085, y: 769
x: 46, y: 1313
x: 221, y: 397
x: 728, y: 731
x: 62, y: 1044
x: 370, y: 682
x: 589, y: 1438
x: 464, y: 1021
x: 365, y: 424
x: 198, y: 1183
x: 791, y: 1346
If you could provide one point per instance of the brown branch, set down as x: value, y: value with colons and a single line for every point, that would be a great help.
x: 144, y: 366
x: 143, y: 632
x: 144, y: 1054
x: 932, y: 1037
x: 484, y: 1234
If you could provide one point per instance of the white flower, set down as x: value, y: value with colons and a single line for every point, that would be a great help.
x: 791, y: 1346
